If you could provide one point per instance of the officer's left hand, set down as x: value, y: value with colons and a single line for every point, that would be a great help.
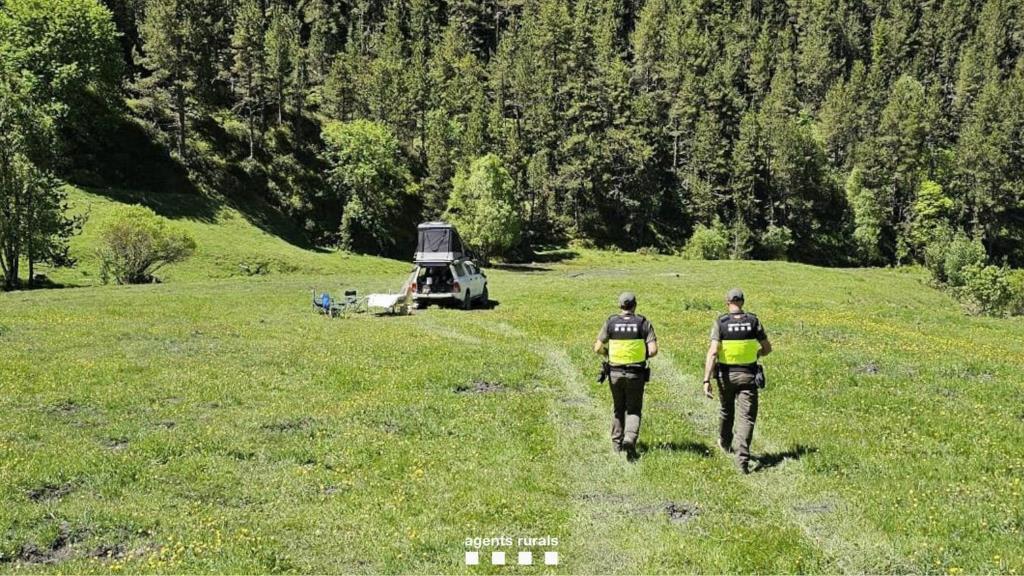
x: 707, y: 390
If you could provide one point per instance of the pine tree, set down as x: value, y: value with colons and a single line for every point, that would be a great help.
x: 282, y: 53
x: 250, y: 65
x: 172, y: 65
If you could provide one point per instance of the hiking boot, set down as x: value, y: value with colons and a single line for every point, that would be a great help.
x: 616, y: 447
x: 743, y: 467
x: 727, y: 448
x: 631, y: 453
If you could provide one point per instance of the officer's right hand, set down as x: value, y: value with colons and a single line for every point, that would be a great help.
x: 707, y: 389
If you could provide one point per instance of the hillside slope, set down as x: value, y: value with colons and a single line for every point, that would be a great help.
x: 229, y: 243
x: 215, y: 423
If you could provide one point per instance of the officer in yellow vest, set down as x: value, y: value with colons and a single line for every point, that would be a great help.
x: 628, y: 340
x: 737, y: 340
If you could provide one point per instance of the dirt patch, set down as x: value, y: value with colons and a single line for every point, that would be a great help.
x: 676, y: 512
x: 58, y: 550
x: 479, y: 387
x: 50, y: 491
x: 598, y: 498
x: 115, y: 444
x: 66, y: 408
x: 575, y: 401
x: 948, y: 393
x: 680, y: 513
x: 167, y: 424
x: 288, y: 425
x: 241, y: 455
x: 868, y: 368
x: 108, y: 551
x: 815, y: 507
x: 389, y: 427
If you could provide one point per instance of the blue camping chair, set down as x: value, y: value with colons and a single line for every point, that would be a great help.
x: 324, y: 304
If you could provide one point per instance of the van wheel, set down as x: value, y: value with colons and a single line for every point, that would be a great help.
x: 421, y: 304
x: 485, y: 298
x: 467, y: 301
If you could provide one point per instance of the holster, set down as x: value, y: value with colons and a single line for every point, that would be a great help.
x: 759, y: 377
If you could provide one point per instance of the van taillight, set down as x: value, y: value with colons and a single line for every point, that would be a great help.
x: 412, y: 286
x: 456, y: 287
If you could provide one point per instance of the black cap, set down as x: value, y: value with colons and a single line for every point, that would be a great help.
x: 735, y: 295
x: 627, y: 300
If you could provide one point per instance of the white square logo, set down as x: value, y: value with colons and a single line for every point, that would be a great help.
x: 525, y: 558
x: 498, y: 558
x: 472, y: 558
x: 551, y: 558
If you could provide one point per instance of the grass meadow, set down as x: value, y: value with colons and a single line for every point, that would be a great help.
x: 214, y: 423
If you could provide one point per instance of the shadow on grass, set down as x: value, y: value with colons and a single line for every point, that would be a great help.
x: 125, y: 162
x: 514, y: 267
x: 698, y: 448
x: 41, y: 282
x: 173, y: 205
x: 773, y: 459
x: 553, y: 256
x: 550, y: 256
x: 453, y: 305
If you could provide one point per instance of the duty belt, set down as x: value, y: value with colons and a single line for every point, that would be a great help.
x: 749, y: 368
x: 632, y: 369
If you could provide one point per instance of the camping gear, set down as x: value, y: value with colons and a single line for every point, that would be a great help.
x: 350, y: 303
x: 438, y: 242
x: 390, y: 303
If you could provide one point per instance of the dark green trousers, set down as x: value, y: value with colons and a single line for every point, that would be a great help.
x: 627, y: 403
x: 737, y: 394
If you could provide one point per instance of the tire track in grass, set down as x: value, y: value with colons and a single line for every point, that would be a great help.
x: 849, y: 541
x: 614, y: 528
x: 608, y: 528
x: 591, y: 546
x: 594, y: 547
x: 588, y: 465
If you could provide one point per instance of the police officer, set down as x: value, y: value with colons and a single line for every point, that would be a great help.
x: 628, y: 340
x: 737, y: 341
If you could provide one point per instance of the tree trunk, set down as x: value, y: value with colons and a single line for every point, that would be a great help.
x: 252, y: 139
x: 179, y: 102
x: 11, y: 268
x: 280, y: 101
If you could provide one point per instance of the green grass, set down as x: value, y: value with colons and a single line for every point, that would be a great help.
x: 213, y: 423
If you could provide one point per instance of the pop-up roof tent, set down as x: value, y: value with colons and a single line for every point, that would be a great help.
x: 438, y: 242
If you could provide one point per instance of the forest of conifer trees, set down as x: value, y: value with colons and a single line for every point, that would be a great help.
x: 838, y: 132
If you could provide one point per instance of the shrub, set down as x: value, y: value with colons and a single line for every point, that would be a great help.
x: 740, y: 239
x: 776, y: 241
x: 960, y: 254
x: 1015, y: 281
x: 935, y: 255
x: 707, y: 243
x: 985, y: 290
x: 947, y: 255
x: 135, y: 243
